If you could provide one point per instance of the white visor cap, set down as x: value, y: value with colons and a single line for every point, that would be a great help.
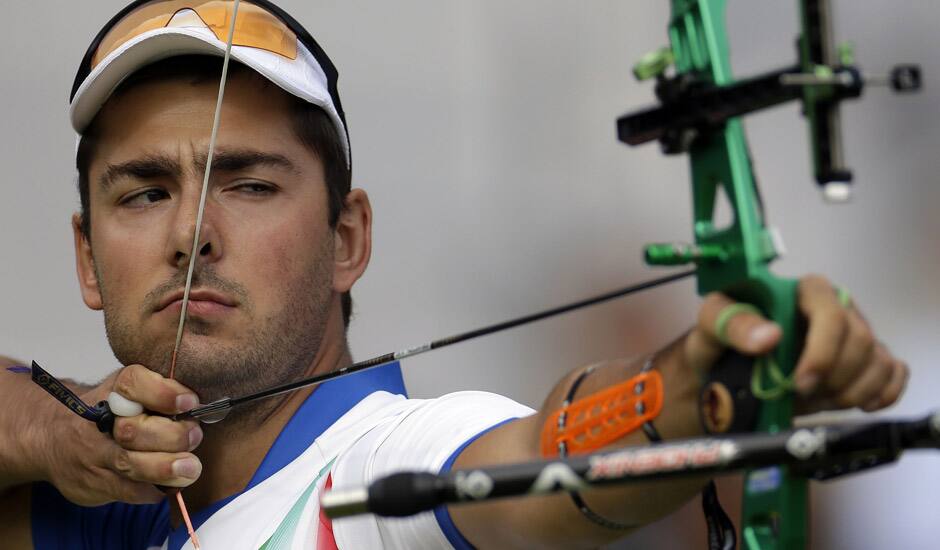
x: 302, y: 76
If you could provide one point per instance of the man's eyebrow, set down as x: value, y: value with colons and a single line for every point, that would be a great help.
x: 225, y: 160
x: 231, y: 160
x: 147, y: 167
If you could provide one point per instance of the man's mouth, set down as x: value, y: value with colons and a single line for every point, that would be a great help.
x: 202, y: 302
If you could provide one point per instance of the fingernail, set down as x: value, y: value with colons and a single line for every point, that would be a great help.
x: 806, y: 382
x: 872, y: 405
x: 195, y: 437
x: 186, y: 402
x: 187, y: 467
x: 760, y: 334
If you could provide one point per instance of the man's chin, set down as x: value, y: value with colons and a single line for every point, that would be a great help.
x: 215, y: 370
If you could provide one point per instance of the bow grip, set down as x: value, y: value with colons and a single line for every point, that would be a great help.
x: 726, y: 403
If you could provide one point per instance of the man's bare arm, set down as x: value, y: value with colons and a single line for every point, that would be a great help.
x: 18, y: 433
x: 842, y: 365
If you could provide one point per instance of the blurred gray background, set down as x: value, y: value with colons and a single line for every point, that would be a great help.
x: 484, y: 133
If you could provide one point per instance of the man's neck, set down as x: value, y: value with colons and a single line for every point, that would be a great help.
x: 231, y: 453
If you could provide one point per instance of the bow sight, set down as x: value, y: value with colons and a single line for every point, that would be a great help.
x: 695, y: 103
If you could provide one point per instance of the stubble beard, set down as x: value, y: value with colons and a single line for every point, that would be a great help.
x: 279, y: 348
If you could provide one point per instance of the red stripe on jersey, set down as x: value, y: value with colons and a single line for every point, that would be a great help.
x: 325, y: 540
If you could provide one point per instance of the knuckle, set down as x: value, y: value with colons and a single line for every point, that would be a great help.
x: 838, y: 317
x: 122, y: 463
x: 815, y: 280
x: 885, y: 372
x: 855, y: 397
x: 168, y: 436
x: 905, y: 371
x: 813, y: 285
x: 864, y: 334
x: 125, y: 431
x: 889, y: 397
x: 894, y: 390
x: 844, y: 401
x: 715, y: 299
x: 126, y: 381
x: 711, y: 305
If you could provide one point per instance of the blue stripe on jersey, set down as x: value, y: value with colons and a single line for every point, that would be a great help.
x: 454, y: 536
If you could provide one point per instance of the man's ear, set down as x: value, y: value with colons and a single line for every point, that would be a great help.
x: 85, y: 266
x: 352, y: 240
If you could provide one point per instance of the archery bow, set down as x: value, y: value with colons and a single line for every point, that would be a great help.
x: 700, y: 104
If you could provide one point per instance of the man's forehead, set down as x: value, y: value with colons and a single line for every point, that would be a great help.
x: 189, y: 99
x: 169, y: 120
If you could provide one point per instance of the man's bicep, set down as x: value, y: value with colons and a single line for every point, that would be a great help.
x: 15, y: 525
x: 429, y: 436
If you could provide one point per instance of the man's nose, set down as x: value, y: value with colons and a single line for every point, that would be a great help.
x: 189, y: 223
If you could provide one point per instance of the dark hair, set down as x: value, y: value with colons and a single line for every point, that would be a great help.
x: 311, y: 125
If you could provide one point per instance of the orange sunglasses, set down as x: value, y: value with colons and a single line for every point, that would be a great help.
x: 255, y: 27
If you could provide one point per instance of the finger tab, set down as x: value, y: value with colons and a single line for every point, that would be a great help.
x: 122, y: 406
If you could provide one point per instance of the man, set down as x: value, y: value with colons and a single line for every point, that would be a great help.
x: 282, y: 241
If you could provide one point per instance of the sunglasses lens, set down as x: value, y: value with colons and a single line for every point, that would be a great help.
x: 255, y: 27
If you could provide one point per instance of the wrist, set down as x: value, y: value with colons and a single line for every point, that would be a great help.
x: 682, y: 385
x: 26, y: 434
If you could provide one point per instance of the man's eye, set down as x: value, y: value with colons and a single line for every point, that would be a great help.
x: 146, y: 197
x: 254, y: 188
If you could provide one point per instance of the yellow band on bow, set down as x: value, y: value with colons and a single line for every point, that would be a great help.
x: 765, y: 366
x: 844, y: 297
x: 725, y: 315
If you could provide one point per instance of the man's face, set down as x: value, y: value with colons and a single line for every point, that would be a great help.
x: 263, y: 285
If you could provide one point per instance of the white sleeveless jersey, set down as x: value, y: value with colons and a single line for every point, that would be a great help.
x: 382, y: 434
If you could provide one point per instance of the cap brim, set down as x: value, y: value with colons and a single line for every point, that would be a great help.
x: 303, y: 78
x: 108, y: 75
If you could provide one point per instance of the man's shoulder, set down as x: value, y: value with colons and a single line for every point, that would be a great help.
x: 468, y: 407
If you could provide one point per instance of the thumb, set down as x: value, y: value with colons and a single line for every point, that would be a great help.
x: 746, y: 331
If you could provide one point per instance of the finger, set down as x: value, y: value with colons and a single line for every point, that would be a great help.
x: 133, y: 492
x: 857, y: 353
x: 747, y: 332
x: 869, y: 383
x: 153, y: 391
x: 166, y: 469
x: 894, y: 388
x: 828, y: 328
x: 157, y: 433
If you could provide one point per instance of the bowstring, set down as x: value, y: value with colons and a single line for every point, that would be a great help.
x: 200, y: 211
